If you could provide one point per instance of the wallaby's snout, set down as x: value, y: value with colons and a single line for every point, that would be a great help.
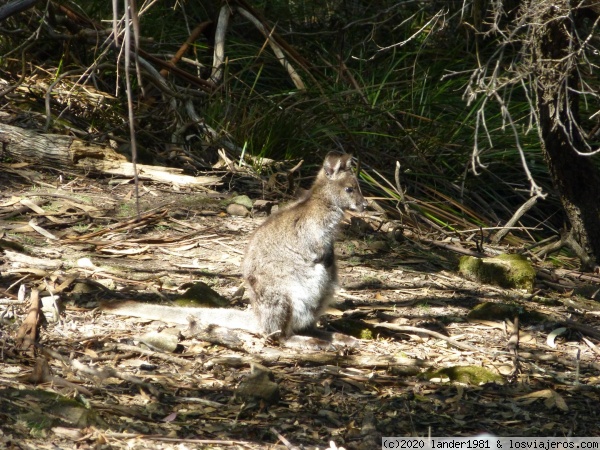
x: 355, y: 201
x: 361, y: 205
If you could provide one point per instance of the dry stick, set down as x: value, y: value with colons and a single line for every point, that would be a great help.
x: 582, y: 328
x: 129, y: 92
x: 21, y: 292
x: 161, y: 438
x: 12, y: 87
x: 572, y: 243
x: 451, y: 247
x: 399, y: 189
x: 547, y: 249
x: 109, y: 372
x: 49, y: 92
x: 219, y: 53
x: 135, y: 22
x: 22, y: 209
x: 198, y: 401
x: 591, y: 345
x: 480, y: 229
x: 4, y: 301
x: 105, y: 274
x: 573, y: 274
x: 158, y: 81
x: 516, y: 216
x: 529, y: 357
x: 276, y: 49
x: 285, y: 442
x: 203, y: 85
x: 435, y: 334
x: 195, y: 34
x: 154, y: 354
x: 41, y: 374
x: 567, y: 240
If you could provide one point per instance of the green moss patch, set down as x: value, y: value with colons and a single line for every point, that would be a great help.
x: 509, y: 271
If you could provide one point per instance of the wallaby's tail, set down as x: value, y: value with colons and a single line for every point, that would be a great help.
x: 225, y: 317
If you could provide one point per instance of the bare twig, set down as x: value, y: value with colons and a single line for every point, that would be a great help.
x: 516, y: 216
x: 132, y: 137
x: 427, y: 26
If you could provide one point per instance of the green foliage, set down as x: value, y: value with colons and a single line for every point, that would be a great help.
x: 384, y: 81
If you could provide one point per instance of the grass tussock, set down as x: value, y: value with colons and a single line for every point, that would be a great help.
x: 383, y: 81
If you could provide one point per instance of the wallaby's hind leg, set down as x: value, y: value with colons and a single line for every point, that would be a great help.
x: 281, y: 317
x: 277, y: 317
x: 272, y: 308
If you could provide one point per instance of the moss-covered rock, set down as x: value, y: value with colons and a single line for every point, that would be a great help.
x: 355, y: 328
x: 474, y: 375
x: 509, y: 271
x: 243, y: 200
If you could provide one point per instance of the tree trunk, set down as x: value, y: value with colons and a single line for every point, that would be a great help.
x: 575, y: 176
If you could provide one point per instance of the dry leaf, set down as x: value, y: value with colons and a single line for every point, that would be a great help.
x: 11, y: 201
x: 41, y: 231
x: 553, y: 335
x: 32, y: 206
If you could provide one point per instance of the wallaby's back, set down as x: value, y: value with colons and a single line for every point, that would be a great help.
x: 289, y: 265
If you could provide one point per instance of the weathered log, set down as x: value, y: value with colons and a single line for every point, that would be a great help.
x: 68, y: 152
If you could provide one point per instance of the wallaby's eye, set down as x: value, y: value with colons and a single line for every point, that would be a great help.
x: 349, y: 190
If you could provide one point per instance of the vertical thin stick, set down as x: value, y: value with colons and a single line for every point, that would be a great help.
x: 130, y: 106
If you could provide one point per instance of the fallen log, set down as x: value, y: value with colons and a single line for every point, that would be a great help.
x: 61, y: 151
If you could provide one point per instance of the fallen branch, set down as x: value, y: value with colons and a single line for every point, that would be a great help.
x: 246, y: 342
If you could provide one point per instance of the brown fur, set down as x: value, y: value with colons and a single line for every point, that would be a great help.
x: 289, y: 265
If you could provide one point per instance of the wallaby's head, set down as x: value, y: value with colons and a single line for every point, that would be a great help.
x: 338, y: 184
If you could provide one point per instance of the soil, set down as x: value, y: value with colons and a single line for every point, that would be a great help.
x: 88, y: 381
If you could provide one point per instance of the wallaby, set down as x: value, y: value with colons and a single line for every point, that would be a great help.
x: 289, y: 265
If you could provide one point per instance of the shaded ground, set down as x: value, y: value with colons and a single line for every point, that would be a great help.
x: 91, y: 383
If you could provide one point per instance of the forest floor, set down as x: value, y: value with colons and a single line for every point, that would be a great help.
x: 89, y: 382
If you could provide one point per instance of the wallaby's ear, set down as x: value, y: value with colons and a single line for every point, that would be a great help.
x: 335, y: 163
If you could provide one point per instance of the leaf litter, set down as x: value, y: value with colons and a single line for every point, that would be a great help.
x: 80, y: 377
